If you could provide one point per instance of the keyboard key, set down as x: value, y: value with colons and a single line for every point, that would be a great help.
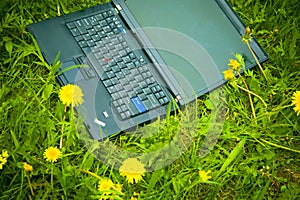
x: 115, y: 68
x: 102, y: 34
x: 107, y: 83
x: 98, y: 55
x: 126, y: 59
x: 78, y: 38
x: 83, y: 44
x: 115, y: 103
x: 110, y: 74
x: 118, y: 87
x: 94, y: 21
x: 100, y: 43
x: 114, y: 41
x: 122, y: 93
x: 115, y: 96
x: 80, y: 26
x: 75, y: 32
x: 70, y: 25
x: 147, y: 104
x: 132, y: 55
x: 111, y: 89
x: 86, y: 23
x: 95, y: 49
x: 110, y: 13
x: 149, y: 81
x: 115, y: 81
x: 139, y: 78
x: 142, y: 96
x: 116, y: 31
x: 127, y: 114
x: 104, y: 14
x: 153, y: 100
x: 91, y: 43
x: 103, y: 23
x: 109, y: 20
x: 119, y: 75
x: 99, y: 17
x: 92, y: 32
x: 123, y: 116
x: 107, y: 29
x: 87, y: 37
x: 112, y: 25
x: 98, y: 28
x: 132, y: 109
x: 119, y: 47
x: 147, y: 91
x: 138, y: 104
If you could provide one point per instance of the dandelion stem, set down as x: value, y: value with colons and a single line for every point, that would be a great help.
x: 62, y: 128
x: 256, y: 60
x: 91, y: 173
x: 249, y: 95
x: 279, y: 146
x: 52, y: 178
x: 246, y: 90
x: 30, y: 185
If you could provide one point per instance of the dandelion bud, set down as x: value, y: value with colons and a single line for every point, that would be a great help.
x: 248, y: 30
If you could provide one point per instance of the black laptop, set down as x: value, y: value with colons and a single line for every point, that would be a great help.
x: 137, y: 59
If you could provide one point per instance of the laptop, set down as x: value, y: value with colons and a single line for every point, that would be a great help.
x: 135, y: 60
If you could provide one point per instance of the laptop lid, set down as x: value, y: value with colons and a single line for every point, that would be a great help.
x: 195, y: 39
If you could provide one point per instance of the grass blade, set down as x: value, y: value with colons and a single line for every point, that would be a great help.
x: 234, y: 153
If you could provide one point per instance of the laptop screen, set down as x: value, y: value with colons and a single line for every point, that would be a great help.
x: 194, y: 38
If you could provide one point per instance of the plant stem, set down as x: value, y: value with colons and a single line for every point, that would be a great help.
x: 63, y: 128
x: 279, y: 146
x: 30, y: 186
x: 256, y: 60
x: 249, y: 95
x: 246, y: 90
x: 52, y: 178
x: 91, y: 173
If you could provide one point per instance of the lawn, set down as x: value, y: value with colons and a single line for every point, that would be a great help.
x: 250, y: 153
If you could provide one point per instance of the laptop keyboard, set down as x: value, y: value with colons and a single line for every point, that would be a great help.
x: 126, y: 76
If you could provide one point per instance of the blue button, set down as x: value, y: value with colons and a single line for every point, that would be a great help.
x: 122, y: 30
x: 138, y: 104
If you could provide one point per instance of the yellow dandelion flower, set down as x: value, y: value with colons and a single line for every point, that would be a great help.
x: 3, y: 160
x: 133, y: 198
x: 228, y: 74
x: 105, y: 185
x: 52, y: 154
x: 234, y: 64
x: 27, y: 167
x: 204, y: 175
x: 296, y: 102
x: 133, y: 169
x: 4, y: 154
x: 71, y: 95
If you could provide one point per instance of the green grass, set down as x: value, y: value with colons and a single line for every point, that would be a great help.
x: 252, y: 158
